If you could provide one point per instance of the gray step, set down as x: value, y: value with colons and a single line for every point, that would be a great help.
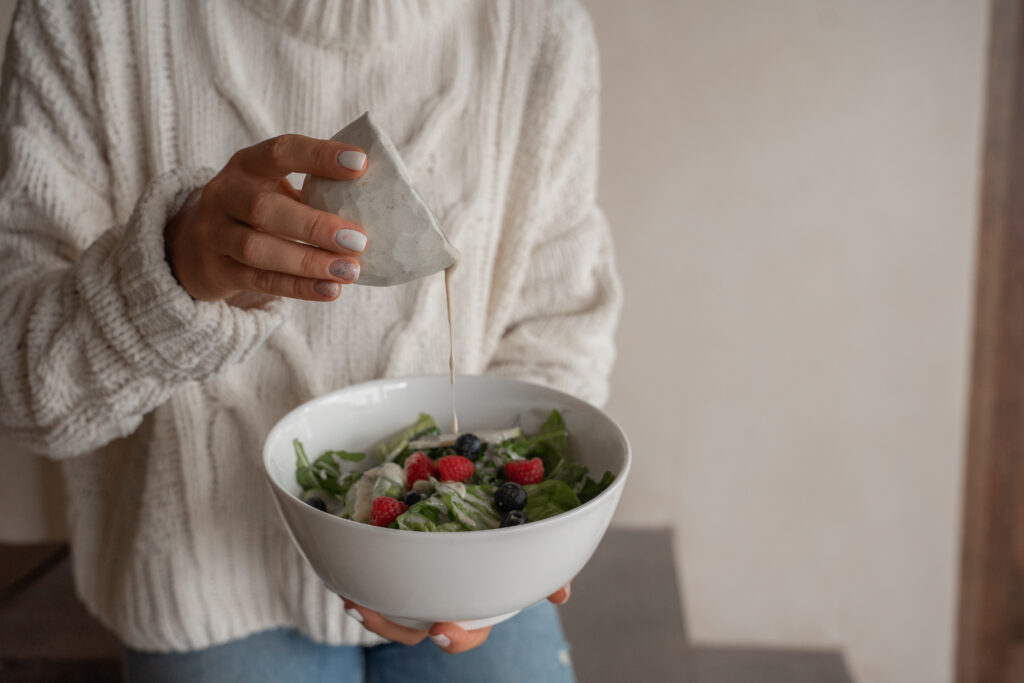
x: 623, y: 622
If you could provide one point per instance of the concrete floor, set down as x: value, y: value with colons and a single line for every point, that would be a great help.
x: 623, y: 622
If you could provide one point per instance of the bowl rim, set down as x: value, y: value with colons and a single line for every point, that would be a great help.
x: 584, y: 508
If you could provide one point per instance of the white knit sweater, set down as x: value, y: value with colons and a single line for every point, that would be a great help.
x: 113, y: 112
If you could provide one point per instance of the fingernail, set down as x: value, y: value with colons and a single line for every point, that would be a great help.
x: 346, y: 270
x: 354, y: 613
x: 326, y: 288
x: 441, y: 640
x: 352, y: 159
x: 351, y: 239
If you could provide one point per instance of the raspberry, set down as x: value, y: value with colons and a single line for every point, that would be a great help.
x: 525, y: 471
x: 455, y: 468
x: 384, y: 510
x: 418, y: 466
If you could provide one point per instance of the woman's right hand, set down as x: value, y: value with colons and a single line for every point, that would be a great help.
x: 248, y: 231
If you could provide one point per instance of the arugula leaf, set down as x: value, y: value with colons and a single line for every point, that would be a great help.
x: 300, y: 453
x: 323, y: 472
x: 591, y: 488
x: 304, y: 473
x: 549, y: 498
x: 345, y: 455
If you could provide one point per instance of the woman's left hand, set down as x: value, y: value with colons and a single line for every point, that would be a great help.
x: 448, y: 636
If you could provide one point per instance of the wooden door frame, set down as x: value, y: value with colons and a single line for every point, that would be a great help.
x: 990, y: 643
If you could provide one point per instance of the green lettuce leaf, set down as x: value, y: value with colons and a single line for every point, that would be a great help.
x: 553, y: 448
x: 591, y: 488
x: 549, y: 498
x: 550, y: 444
x: 393, y: 446
x: 531, y: 446
x: 572, y: 473
x: 351, y: 492
x: 480, y: 499
x: 474, y: 510
x: 425, y: 515
x: 385, y: 486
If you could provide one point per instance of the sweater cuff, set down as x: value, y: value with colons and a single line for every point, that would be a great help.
x: 159, y: 326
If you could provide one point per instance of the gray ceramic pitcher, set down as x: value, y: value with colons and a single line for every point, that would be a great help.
x: 404, y: 240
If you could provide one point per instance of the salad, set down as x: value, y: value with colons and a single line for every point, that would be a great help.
x: 422, y: 480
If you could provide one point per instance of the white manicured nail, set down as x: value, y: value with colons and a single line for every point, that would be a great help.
x: 352, y: 159
x: 441, y: 639
x: 351, y: 239
x: 354, y: 613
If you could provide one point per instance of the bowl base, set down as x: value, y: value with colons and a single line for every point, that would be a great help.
x: 468, y: 624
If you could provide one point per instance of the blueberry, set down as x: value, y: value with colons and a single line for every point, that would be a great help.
x: 514, y: 518
x: 510, y: 496
x: 414, y: 497
x: 468, y: 446
x: 318, y: 503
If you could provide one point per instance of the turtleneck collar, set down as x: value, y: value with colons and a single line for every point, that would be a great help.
x: 353, y: 23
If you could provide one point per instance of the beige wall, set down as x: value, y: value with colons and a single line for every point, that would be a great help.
x: 793, y: 188
x: 793, y: 191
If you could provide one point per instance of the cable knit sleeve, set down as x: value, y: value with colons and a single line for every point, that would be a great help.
x: 97, y: 332
x: 566, y: 307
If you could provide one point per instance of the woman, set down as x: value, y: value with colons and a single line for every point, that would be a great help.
x: 162, y: 314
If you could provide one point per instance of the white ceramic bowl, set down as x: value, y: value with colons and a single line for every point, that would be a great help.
x: 416, y: 578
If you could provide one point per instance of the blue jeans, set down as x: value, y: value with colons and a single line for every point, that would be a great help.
x: 528, y: 647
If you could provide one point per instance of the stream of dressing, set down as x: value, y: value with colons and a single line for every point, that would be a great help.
x: 451, y: 342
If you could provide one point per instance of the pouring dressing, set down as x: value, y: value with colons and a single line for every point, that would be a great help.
x: 404, y: 240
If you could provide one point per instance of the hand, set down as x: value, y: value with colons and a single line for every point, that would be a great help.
x: 448, y: 636
x: 245, y: 232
